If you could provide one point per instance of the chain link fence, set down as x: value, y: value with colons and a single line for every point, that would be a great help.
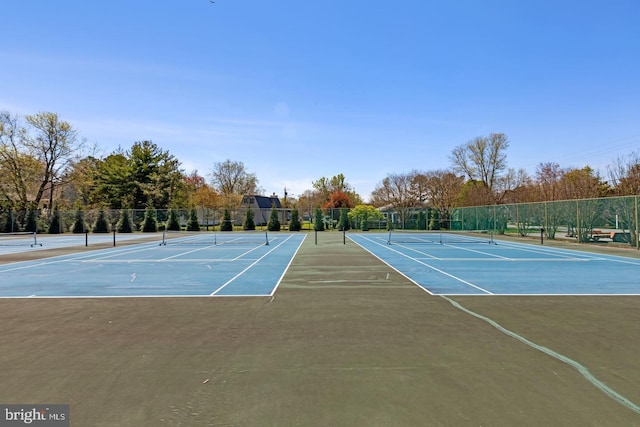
x: 612, y: 219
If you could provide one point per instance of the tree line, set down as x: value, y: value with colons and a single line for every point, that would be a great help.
x: 45, y: 165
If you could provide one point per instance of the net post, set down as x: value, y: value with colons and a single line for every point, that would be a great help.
x: 86, y: 238
x: 266, y: 238
x: 344, y: 236
x: 35, y: 240
x: 389, y: 237
x: 114, y: 237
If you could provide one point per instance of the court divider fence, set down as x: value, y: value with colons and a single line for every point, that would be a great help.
x: 611, y: 219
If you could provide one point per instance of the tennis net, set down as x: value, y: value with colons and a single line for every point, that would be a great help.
x: 439, y: 237
x: 213, y: 238
x: 19, y: 238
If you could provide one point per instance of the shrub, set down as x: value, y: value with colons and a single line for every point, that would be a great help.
x: 101, y: 225
x: 32, y: 221
x: 295, y: 224
x: 422, y: 220
x: 193, y: 224
x: 343, y: 223
x: 319, y: 223
x: 8, y: 222
x: 124, y: 225
x: 249, y: 223
x: 150, y: 224
x: 55, y: 225
x: 226, y: 224
x: 274, y: 222
x: 173, y: 223
x: 79, y: 225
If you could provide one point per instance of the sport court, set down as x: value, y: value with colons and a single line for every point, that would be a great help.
x: 457, y: 264
x: 202, y: 264
x: 345, y: 340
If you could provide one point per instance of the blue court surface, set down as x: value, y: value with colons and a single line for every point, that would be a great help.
x: 230, y: 267
x: 504, y: 268
x: 24, y: 242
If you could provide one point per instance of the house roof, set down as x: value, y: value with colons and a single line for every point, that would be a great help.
x: 267, y: 202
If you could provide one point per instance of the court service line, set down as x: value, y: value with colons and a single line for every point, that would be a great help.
x: 477, y: 252
x: 187, y: 252
x: 562, y: 253
x: 583, y: 370
x: 514, y: 259
x: 391, y: 266
x: 430, y: 266
x: 250, y: 266
x: 24, y: 265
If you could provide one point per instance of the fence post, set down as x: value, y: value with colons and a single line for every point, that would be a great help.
x: 636, y: 221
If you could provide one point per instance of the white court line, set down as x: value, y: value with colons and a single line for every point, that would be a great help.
x: 287, y: 267
x: 94, y: 256
x: 250, y: 266
x: 187, y: 252
x: 422, y: 263
x: 562, y: 253
x: 513, y: 259
x: 476, y: 251
x: 163, y: 261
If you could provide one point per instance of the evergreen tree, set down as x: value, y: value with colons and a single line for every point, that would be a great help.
x: 295, y: 224
x: 422, y: 221
x: 274, y: 222
x: 343, y: 223
x: 173, y: 224
x: 249, y: 223
x: 226, y: 224
x: 150, y: 225
x: 434, y: 222
x: 55, y: 226
x: 32, y: 221
x: 8, y: 223
x: 319, y: 224
x: 78, y: 225
x: 124, y: 225
x: 193, y: 224
x: 101, y: 225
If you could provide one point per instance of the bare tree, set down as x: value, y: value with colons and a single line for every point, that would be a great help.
x: 54, y: 145
x: 548, y: 177
x: 624, y: 174
x: 482, y: 159
x: 515, y: 186
x: 443, y: 187
x: 419, y: 187
x: 19, y: 170
x: 395, y: 191
x: 232, y: 181
x: 581, y: 184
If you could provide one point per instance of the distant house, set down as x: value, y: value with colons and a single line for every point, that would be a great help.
x: 261, y: 206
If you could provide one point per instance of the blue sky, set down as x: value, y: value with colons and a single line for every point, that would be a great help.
x: 299, y: 90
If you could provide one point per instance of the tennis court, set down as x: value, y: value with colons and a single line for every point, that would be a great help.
x: 348, y: 339
x: 12, y: 243
x: 459, y: 264
x: 202, y: 264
